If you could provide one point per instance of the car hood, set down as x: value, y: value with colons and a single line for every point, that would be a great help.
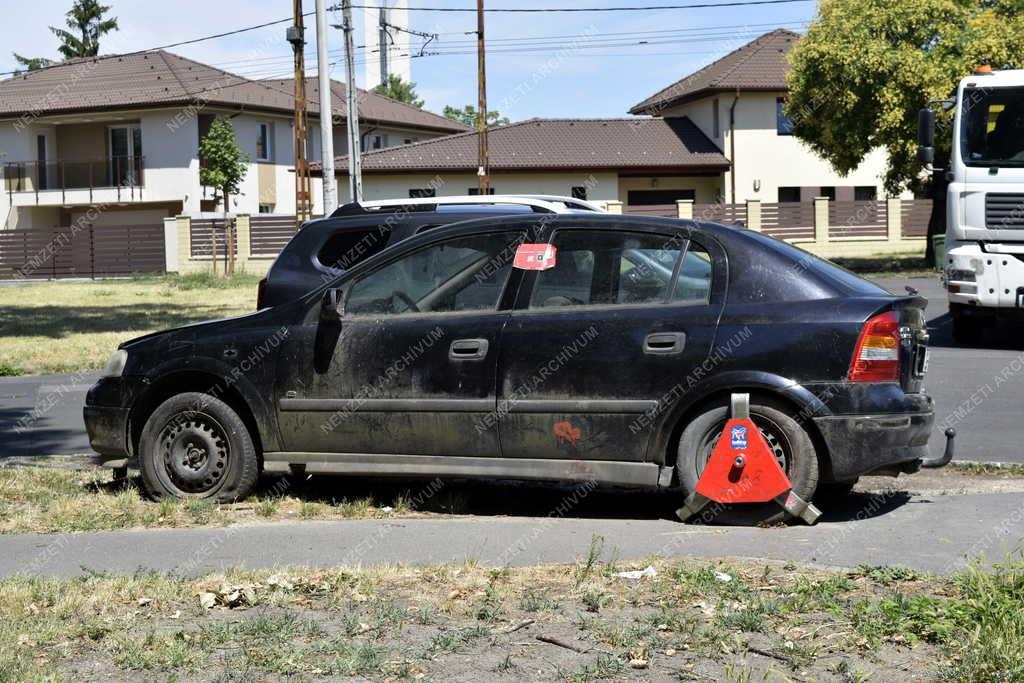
x: 235, y: 323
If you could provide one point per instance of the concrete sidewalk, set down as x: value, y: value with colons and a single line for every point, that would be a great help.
x: 936, y: 534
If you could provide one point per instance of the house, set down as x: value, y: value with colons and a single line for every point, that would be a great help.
x: 717, y: 135
x: 737, y: 101
x: 116, y: 138
x: 595, y: 159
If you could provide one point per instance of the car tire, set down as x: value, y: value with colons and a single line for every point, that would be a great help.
x: 788, y: 440
x: 196, y: 446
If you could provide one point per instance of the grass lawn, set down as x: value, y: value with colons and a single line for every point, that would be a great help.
x: 895, y: 265
x: 693, y: 620
x: 72, y: 326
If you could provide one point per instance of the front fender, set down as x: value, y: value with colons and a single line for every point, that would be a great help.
x: 675, y: 405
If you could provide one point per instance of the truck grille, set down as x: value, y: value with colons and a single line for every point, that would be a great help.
x: 1004, y: 211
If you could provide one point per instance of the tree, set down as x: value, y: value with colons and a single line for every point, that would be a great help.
x: 87, y: 24
x: 865, y: 68
x: 223, y: 165
x: 468, y: 116
x: 398, y: 89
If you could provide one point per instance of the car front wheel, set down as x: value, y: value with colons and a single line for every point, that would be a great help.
x: 789, y: 443
x: 195, y: 445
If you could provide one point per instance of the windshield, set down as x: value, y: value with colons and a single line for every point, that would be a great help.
x: 992, y: 131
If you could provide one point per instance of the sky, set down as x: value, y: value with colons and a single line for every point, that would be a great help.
x: 577, y: 64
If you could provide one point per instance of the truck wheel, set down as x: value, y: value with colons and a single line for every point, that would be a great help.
x: 788, y: 441
x: 195, y: 446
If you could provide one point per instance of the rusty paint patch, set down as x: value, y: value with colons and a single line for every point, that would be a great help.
x: 565, y: 432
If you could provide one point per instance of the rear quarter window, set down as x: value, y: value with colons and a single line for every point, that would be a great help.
x: 346, y: 248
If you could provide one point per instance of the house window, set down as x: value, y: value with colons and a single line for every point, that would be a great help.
x: 829, y: 192
x: 783, y: 124
x: 263, y: 142
x: 266, y: 208
x: 407, y: 141
x: 715, y: 122
x: 865, y: 193
x: 579, y: 192
x: 422, y: 192
x: 789, y: 194
x: 474, y: 191
x: 378, y: 141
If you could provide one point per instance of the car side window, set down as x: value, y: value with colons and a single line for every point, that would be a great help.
x: 595, y: 267
x: 345, y: 248
x: 462, y: 274
x: 693, y: 286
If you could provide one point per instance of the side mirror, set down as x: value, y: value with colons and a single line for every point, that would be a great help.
x: 926, y: 136
x: 332, y: 305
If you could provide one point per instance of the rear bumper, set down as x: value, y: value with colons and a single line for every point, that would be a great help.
x: 862, y: 444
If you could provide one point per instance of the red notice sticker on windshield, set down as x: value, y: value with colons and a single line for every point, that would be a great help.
x: 535, y: 257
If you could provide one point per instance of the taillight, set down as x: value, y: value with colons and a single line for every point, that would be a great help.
x: 877, y: 355
x: 261, y: 293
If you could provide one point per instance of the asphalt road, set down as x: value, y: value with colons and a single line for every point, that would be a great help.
x: 979, y: 390
x: 936, y: 534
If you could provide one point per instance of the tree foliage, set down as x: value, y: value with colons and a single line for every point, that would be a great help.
x: 398, y: 89
x: 469, y: 116
x: 223, y: 163
x: 86, y: 24
x: 865, y: 67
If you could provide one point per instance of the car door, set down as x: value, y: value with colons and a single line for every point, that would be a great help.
x: 410, y: 366
x: 598, y: 341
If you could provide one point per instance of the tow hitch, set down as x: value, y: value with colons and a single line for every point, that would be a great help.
x: 946, y: 456
x: 742, y: 469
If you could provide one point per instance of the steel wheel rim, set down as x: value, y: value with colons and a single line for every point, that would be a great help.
x: 193, y: 454
x: 770, y: 430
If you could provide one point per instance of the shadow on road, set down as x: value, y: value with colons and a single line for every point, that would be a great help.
x: 26, y: 434
x: 493, y: 498
x: 1000, y: 336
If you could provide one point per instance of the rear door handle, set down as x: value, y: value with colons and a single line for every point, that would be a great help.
x: 468, y: 349
x: 664, y: 343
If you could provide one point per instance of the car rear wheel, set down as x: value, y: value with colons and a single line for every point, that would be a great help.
x: 196, y: 446
x: 790, y: 445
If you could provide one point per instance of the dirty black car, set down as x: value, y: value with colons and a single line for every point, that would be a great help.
x: 443, y: 356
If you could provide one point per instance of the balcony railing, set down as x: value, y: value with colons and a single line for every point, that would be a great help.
x: 122, y: 173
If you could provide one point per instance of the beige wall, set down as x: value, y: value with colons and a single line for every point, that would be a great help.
x: 768, y: 159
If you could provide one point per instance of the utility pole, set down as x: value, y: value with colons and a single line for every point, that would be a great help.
x: 326, y: 119
x: 382, y: 41
x: 355, y: 163
x: 303, y: 195
x: 483, y: 161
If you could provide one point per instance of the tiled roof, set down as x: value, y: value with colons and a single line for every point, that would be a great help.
x: 554, y: 144
x: 163, y: 78
x: 759, y: 65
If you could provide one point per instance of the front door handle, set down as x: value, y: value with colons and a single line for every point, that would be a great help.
x: 468, y: 349
x: 664, y: 343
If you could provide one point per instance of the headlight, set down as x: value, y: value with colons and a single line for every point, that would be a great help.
x: 115, y: 366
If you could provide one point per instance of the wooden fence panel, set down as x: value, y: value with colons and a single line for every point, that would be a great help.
x: 788, y: 220
x: 665, y: 210
x: 857, y: 219
x: 915, y: 214
x: 269, y: 234
x: 72, y: 251
x: 727, y: 214
x: 201, y: 238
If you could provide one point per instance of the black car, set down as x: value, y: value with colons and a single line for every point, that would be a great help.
x: 326, y: 247
x: 614, y: 363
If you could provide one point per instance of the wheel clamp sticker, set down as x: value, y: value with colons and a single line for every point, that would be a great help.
x: 535, y: 257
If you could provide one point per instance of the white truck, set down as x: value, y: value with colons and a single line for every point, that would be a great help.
x: 984, y: 255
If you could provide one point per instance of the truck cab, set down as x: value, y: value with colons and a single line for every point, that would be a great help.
x: 984, y: 256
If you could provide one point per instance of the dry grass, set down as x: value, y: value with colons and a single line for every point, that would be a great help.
x: 692, y: 621
x: 74, y: 326
x: 55, y: 499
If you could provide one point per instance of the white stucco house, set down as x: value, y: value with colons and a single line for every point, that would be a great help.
x: 117, y: 138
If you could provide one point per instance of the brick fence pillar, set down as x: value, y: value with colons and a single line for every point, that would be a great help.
x: 754, y: 214
x: 614, y: 206
x: 821, y: 220
x: 684, y: 209
x: 894, y: 218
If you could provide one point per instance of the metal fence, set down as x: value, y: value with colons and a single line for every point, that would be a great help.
x: 788, y: 220
x: 664, y: 210
x: 74, y: 251
x: 915, y: 216
x: 720, y: 213
x: 204, y: 234
x: 854, y: 219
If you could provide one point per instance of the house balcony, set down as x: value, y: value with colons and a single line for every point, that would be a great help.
x: 66, y: 182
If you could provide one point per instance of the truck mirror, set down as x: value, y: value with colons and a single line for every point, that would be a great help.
x: 926, y: 136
